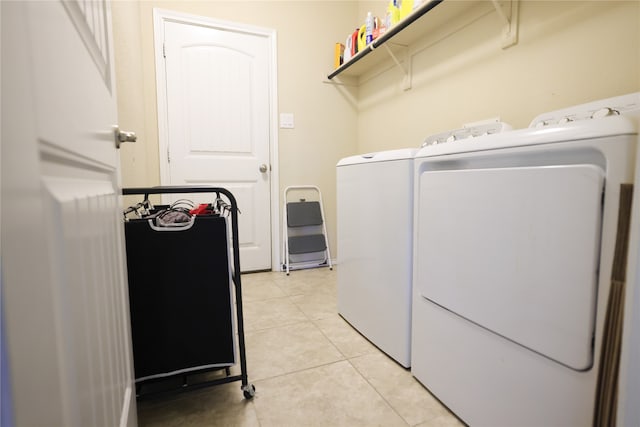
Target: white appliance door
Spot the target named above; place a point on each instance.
(515, 252)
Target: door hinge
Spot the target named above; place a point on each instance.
(168, 156)
(164, 50)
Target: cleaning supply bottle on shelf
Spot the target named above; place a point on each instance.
(393, 14)
(362, 37)
(348, 48)
(369, 28)
(406, 7)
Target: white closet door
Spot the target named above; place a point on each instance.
(218, 122)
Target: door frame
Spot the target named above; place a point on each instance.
(160, 16)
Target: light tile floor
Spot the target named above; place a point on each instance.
(309, 367)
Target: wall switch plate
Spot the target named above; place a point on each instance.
(286, 121)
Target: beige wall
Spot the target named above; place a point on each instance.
(568, 53)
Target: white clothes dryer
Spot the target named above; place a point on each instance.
(513, 251)
(375, 243)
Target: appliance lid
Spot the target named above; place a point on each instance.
(380, 156)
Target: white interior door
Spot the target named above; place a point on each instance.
(218, 127)
(65, 300)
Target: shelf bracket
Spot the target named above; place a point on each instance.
(510, 20)
(406, 69)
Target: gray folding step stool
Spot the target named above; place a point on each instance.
(305, 243)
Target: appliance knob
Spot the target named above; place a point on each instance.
(604, 112)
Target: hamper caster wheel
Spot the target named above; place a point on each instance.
(249, 391)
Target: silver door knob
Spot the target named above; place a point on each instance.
(122, 136)
(263, 168)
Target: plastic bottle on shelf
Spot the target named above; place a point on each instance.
(362, 37)
(393, 14)
(348, 48)
(406, 7)
(369, 28)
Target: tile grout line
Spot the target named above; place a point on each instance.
(379, 394)
(302, 370)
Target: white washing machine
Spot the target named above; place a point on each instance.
(513, 251)
(375, 242)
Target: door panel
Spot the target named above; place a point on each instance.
(83, 233)
(217, 101)
(74, 97)
(218, 123)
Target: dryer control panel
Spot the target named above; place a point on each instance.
(470, 130)
(625, 105)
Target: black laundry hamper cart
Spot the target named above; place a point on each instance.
(180, 295)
